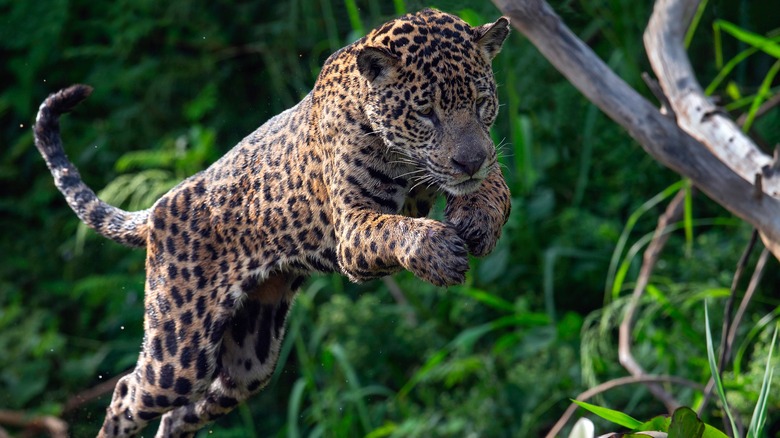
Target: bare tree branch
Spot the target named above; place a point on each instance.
(672, 214)
(55, 427)
(696, 114)
(84, 397)
(658, 135)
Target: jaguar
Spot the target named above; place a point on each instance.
(341, 182)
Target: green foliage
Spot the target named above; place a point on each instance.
(610, 415)
(684, 423)
(715, 371)
(178, 83)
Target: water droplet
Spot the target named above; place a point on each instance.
(121, 327)
(21, 125)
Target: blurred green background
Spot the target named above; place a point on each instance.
(178, 83)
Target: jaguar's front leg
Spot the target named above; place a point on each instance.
(373, 240)
(373, 244)
(479, 216)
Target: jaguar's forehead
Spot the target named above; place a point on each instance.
(439, 49)
(423, 32)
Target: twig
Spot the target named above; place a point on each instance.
(90, 394)
(610, 384)
(765, 107)
(672, 214)
(722, 360)
(758, 273)
(55, 427)
(655, 88)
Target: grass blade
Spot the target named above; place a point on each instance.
(726, 69)
(695, 23)
(294, 408)
(758, 41)
(759, 413)
(354, 17)
(714, 369)
(762, 94)
(688, 218)
(612, 287)
(354, 385)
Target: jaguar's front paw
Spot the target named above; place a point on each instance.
(479, 216)
(478, 226)
(435, 253)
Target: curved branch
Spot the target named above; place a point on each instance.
(658, 135)
(696, 114)
(55, 427)
(672, 214)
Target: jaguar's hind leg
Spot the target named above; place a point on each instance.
(250, 349)
(184, 324)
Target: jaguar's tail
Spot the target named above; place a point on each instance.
(127, 228)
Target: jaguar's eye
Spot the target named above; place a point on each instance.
(481, 100)
(425, 111)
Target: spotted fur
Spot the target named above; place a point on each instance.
(341, 182)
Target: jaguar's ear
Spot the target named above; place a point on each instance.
(490, 37)
(376, 63)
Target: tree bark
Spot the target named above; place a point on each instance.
(696, 114)
(741, 191)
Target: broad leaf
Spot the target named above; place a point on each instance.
(685, 424)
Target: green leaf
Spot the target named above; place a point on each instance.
(613, 416)
(763, 43)
(711, 432)
(486, 298)
(382, 431)
(762, 94)
(660, 424)
(685, 424)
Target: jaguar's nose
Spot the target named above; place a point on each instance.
(469, 162)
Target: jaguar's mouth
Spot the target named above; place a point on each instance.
(464, 187)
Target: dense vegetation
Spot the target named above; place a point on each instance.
(177, 83)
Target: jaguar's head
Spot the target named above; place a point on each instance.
(432, 95)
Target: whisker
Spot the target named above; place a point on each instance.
(423, 180)
(411, 173)
(506, 155)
